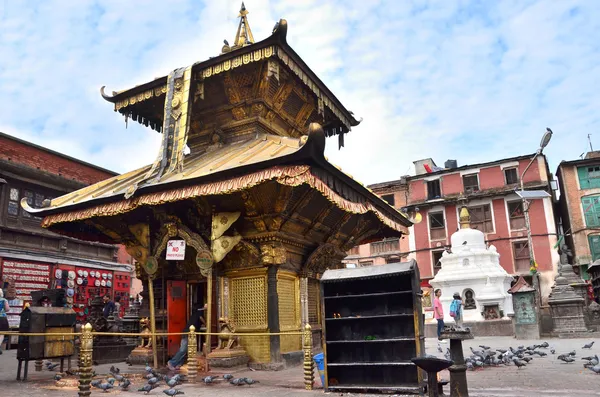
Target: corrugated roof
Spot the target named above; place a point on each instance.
(368, 271)
(262, 148)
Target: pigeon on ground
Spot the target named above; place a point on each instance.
(172, 392)
(540, 353)
(501, 350)
(519, 363)
(527, 359)
(545, 345)
(125, 384)
(51, 366)
(57, 377)
(533, 347)
(439, 349)
(153, 381)
(147, 388)
(227, 376)
(250, 381)
(172, 382)
(588, 358)
(485, 347)
(470, 366)
(237, 382)
(96, 382)
(572, 353)
(114, 370)
(209, 379)
(105, 387)
(568, 359)
(111, 381)
(149, 376)
(118, 377)
(552, 351)
(588, 346)
(595, 368)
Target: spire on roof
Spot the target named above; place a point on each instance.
(244, 34)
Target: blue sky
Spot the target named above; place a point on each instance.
(451, 79)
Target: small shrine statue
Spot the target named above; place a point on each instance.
(565, 253)
(469, 300)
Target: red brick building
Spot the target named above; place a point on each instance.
(579, 203)
(30, 255)
(488, 190)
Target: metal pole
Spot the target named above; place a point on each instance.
(209, 291)
(152, 320)
(192, 360)
(85, 360)
(525, 204)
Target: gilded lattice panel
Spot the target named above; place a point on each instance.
(314, 302)
(257, 347)
(289, 312)
(249, 302)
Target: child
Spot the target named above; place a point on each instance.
(456, 310)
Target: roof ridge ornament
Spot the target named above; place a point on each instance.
(243, 36)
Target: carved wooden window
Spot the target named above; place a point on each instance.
(521, 255)
(481, 218)
(34, 200)
(434, 190)
(471, 183)
(511, 176)
(13, 202)
(437, 226)
(516, 215)
(391, 245)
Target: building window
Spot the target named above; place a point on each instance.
(433, 190)
(354, 251)
(589, 176)
(591, 210)
(471, 183)
(481, 218)
(437, 226)
(392, 245)
(34, 200)
(521, 255)
(511, 176)
(436, 259)
(516, 215)
(366, 263)
(388, 198)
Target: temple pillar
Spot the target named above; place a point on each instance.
(273, 314)
(304, 299)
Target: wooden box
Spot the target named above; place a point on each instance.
(53, 321)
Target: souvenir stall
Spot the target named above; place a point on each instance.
(121, 284)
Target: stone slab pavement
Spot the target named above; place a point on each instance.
(543, 377)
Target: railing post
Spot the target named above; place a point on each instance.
(309, 367)
(85, 360)
(192, 360)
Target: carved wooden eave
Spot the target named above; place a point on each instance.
(152, 94)
(326, 256)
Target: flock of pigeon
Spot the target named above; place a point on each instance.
(522, 356)
(153, 380)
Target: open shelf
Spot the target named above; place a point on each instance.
(370, 317)
(397, 388)
(370, 364)
(389, 340)
(371, 295)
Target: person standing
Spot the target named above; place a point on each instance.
(438, 313)
(4, 308)
(109, 306)
(456, 310)
(117, 312)
(197, 320)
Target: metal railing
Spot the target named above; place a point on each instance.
(86, 349)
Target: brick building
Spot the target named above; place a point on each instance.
(488, 190)
(32, 257)
(579, 205)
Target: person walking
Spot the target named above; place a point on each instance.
(197, 320)
(456, 310)
(109, 306)
(438, 313)
(4, 308)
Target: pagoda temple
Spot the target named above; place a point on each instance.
(240, 178)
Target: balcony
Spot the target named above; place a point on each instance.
(385, 247)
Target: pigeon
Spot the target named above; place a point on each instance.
(552, 351)
(588, 346)
(57, 377)
(149, 376)
(226, 42)
(588, 358)
(172, 382)
(209, 379)
(105, 387)
(227, 376)
(545, 345)
(501, 350)
(476, 352)
(250, 381)
(125, 384)
(572, 353)
(595, 368)
(51, 366)
(96, 382)
(147, 388)
(484, 347)
(464, 243)
(527, 359)
(568, 359)
(237, 382)
(153, 381)
(519, 363)
(533, 347)
(118, 377)
(172, 392)
(111, 381)
(440, 349)
(470, 365)
(540, 353)
(114, 370)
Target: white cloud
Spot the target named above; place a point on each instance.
(474, 81)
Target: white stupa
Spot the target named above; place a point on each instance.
(474, 270)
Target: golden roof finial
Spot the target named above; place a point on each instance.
(244, 34)
(465, 218)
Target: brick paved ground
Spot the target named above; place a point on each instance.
(544, 377)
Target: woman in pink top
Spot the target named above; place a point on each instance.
(438, 313)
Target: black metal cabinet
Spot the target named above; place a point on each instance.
(372, 328)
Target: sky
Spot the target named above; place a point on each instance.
(473, 80)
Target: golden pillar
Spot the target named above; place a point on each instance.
(209, 300)
(152, 320)
(192, 362)
(85, 360)
(309, 368)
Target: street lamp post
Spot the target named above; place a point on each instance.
(526, 203)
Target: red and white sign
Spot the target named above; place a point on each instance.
(176, 250)
(28, 277)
